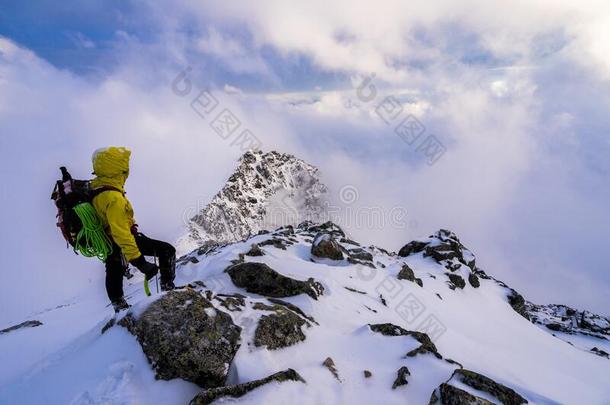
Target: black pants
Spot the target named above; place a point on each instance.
(116, 264)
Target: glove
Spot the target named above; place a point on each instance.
(134, 229)
(150, 270)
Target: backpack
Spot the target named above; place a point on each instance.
(77, 219)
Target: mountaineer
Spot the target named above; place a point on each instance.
(111, 168)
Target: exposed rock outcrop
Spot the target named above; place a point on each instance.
(329, 363)
(406, 273)
(261, 279)
(401, 377)
(325, 246)
(239, 390)
(26, 324)
(456, 280)
(426, 345)
(517, 302)
(184, 336)
(505, 395)
(447, 394)
(280, 329)
(241, 208)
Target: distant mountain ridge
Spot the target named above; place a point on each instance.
(266, 190)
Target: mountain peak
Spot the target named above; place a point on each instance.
(266, 190)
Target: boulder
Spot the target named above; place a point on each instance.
(279, 330)
(474, 280)
(330, 365)
(275, 242)
(412, 247)
(444, 246)
(406, 273)
(325, 246)
(261, 279)
(505, 395)
(426, 345)
(184, 336)
(517, 302)
(327, 227)
(360, 254)
(456, 280)
(255, 250)
(239, 390)
(401, 377)
(447, 394)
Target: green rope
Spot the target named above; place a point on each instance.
(91, 240)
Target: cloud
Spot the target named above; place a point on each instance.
(517, 94)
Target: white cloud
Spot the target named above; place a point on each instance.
(383, 37)
(505, 86)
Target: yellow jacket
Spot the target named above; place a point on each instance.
(111, 168)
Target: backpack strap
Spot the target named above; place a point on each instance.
(100, 190)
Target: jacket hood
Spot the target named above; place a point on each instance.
(111, 167)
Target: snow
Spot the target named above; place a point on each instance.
(69, 361)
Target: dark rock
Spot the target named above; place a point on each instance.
(442, 252)
(367, 374)
(445, 248)
(505, 395)
(456, 280)
(255, 250)
(600, 352)
(261, 279)
(324, 246)
(457, 363)
(370, 309)
(259, 306)
(517, 302)
(401, 377)
(447, 394)
(360, 254)
(184, 336)
(412, 247)
(453, 266)
(364, 263)
(349, 242)
(474, 280)
(354, 290)
(327, 227)
(406, 273)
(239, 390)
(285, 230)
(275, 242)
(330, 365)
(426, 345)
(231, 302)
(389, 329)
(278, 330)
(26, 324)
(555, 326)
(293, 308)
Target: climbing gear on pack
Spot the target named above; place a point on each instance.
(77, 219)
(91, 240)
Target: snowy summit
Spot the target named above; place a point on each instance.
(304, 312)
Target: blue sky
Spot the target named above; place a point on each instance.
(518, 94)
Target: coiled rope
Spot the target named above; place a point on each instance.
(91, 240)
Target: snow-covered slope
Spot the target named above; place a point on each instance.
(432, 285)
(265, 191)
